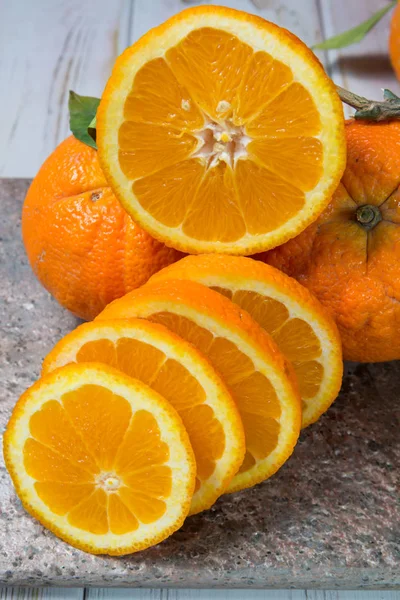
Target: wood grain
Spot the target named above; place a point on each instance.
(46, 48)
(16, 593)
(23, 593)
(169, 594)
(165, 594)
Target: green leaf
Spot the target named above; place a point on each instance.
(82, 115)
(356, 34)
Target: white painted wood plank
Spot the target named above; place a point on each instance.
(226, 594)
(363, 68)
(169, 594)
(352, 595)
(24, 593)
(302, 18)
(46, 48)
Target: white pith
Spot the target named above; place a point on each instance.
(222, 141)
(109, 482)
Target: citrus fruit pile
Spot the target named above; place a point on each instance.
(221, 135)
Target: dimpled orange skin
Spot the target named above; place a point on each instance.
(355, 272)
(394, 40)
(81, 244)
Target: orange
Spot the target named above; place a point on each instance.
(350, 257)
(220, 132)
(298, 323)
(81, 244)
(258, 376)
(100, 459)
(394, 40)
(177, 371)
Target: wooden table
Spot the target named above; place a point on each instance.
(50, 46)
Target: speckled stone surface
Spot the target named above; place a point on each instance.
(330, 518)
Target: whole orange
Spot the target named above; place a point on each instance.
(394, 40)
(350, 257)
(81, 244)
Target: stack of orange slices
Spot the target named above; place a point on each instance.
(198, 383)
(174, 395)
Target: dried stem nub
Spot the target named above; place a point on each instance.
(371, 110)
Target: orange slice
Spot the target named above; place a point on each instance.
(220, 132)
(176, 370)
(299, 324)
(100, 459)
(256, 373)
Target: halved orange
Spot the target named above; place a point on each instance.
(299, 324)
(176, 370)
(220, 132)
(100, 459)
(258, 376)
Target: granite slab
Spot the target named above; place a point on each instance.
(329, 519)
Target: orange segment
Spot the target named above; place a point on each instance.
(155, 481)
(43, 464)
(216, 202)
(147, 509)
(246, 358)
(211, 429)
(138, 448)
(120, 518)
(93, 352)
(298, 341)
(310, 375)
(62, 497)
(264, 434)
(179, 191)
(271, 314)
(145, 149)
(292, 113)
(193, 105)
(173, 368)
(135, 358)
(298, 323)
(296, 160)
(263, 79)
(101, 417)
(91, 514)
(183, 389)
(139, 489)
(228, 359)
(210, 63)
(157, 97)
(266, 200)
(65, 440)
(257, 396)
(199, 336)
